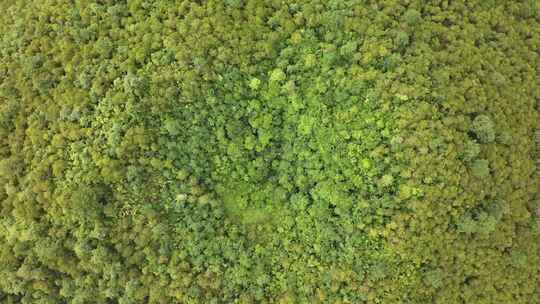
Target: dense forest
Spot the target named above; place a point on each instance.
(277, 151)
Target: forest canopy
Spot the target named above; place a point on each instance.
(248, 151)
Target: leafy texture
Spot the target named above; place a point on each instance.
(248, 151)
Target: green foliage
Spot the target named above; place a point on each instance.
(412, 16)
(480, 168)
(483, 223)
(483, 128)
(434, 278)
(248, 151)
(471, 151)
